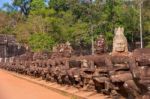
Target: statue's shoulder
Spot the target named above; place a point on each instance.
(130, 54)
(108, 56)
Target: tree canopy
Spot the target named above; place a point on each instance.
(43, 23)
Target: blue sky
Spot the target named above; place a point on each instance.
(4, 1)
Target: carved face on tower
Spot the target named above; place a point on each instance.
(120, 42)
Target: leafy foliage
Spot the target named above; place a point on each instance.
(73, 20)
(41, 42)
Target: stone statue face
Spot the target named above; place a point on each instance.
(120, 45)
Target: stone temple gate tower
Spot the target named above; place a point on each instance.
(9, 47)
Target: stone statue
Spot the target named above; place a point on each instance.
(62, 50)
(119, 64)
(68, 47)
(120, 45)
(141, 70)
(100, 46)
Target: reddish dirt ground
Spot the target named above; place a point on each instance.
(15, 88)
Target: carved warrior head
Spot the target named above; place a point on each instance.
(120, 44)
(68, 43)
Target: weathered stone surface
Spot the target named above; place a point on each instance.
(108, 73)
(100, 45)
(9, 46)
(120, 45)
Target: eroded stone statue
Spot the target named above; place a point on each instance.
(120, 74)
(141, 70)
(120, 45)
(100, 45)
(62, 50)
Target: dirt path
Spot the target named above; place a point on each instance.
(15, 88)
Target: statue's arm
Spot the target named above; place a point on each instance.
(133, 67)
(109, 64)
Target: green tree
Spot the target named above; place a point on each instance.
(41, 42)
(146, 22)
(59, 5)
(37, 6)
(24, 6)
(72, 20)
